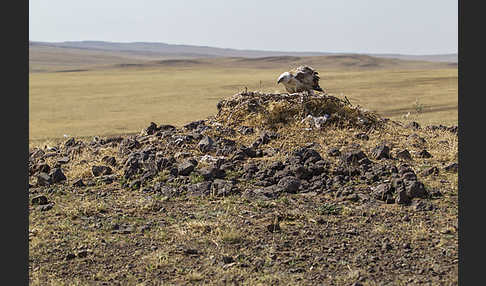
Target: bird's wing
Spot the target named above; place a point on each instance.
(308, 77)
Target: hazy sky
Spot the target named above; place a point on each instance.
(373, 26)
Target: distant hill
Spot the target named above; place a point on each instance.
(65, 56)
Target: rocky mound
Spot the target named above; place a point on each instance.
(230, 153)
(277, 110)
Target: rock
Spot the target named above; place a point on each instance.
(245, 130)
(57, 175)
(381, 152)
(402, 197)
(384, 192)
(44, 208)
(206, 144)
(110, 160)
(185, 168)
(334, 152)
(212, 173)
(199, 189)
(352, 157)
(454, 167)
(273, 227)
(40, 200)
(415, 189)
(63, 160)
(195, 125)
(413, 125)
(307, 155)
(404, 155)
(300, 172)
(410, 176)
(221, 187)
(82, 254)
(386, 246)
(424, 154)
(79, 183)
(191, 251)
(228, 259)
(40, 168)
(362, 136)
(43, 179)
(289, 184)
(151, 129)
(430, 171)
(70, 142)
(101, 170)
(70, 256)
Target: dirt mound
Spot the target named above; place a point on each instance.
(279, 110)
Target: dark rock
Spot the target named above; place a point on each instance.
(273, 227)
(430, 171)
(43, 179)
(307, 155)
(415, 189)
(44, 208)
(191, 251)
(221, 187)
(206, 144)
(384, 192)
(101, 170)
(381, 152)
(70, 142)
(334, 152)
(70, 256)
(228, 259)
(454, 167)
(82, 254)
(386, 246)
(42, 168)
(413, 125)
(167, 127)
(151, 129)
(199, 189)
(57, 175)
(410, 176)
(245, 130)
(402, 197)
(110, 160)
(185, 168)
(424, 154)
(352, 157)
(300, 172)
(362, 136)
(404, 155)
(40, 200)
(269, 152)
(210, 173)
(63, 160)
(79, 183)
(194, 125)
(289, 184)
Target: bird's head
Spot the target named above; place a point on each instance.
(284, 77)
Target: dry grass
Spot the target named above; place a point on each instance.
(120, 101)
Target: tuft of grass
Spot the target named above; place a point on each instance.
(329, 209)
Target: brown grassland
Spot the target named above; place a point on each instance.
(117, 100)
(114, 232)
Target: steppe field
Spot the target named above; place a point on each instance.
(119, 98)
(264, 192)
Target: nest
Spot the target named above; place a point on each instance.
(279, 110)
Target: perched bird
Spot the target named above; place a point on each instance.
(303, 78)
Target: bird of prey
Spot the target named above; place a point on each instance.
(303, 78)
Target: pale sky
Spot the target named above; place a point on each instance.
(356, 26)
